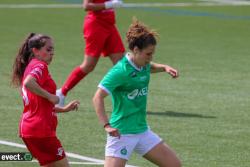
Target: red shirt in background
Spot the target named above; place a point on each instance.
(106, 16)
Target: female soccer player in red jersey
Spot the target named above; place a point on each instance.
(38, 123)
(101, 38)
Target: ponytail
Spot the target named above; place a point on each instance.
(25, 54)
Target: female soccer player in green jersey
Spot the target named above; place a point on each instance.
(127, 83)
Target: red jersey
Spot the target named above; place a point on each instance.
(106, 15)
(39, 118)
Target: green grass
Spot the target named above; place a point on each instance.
(28, 2)
(203, 115)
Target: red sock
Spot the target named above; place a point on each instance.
(76, 76)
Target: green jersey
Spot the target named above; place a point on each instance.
(128, 86)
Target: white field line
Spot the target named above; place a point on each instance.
(232, 2)
(71, 155)
(12, 144)
(71, 162)
(132, 5)
(93, 161)
(30, 6)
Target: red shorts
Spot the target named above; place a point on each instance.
(45, 150)
(101, 38)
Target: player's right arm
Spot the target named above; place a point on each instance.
(98, 101)
(88, 5)
(31, 84)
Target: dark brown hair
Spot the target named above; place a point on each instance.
(139, 35)
(25, 54)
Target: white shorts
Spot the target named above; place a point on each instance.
(124, 146)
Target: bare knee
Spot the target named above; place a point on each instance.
(115, 57)
(87, 67)
(177, 163)
(89, 63)
(60, 163)
(172, 162)
(114, 162)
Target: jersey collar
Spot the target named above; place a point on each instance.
(132, 63)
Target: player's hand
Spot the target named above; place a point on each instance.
(173, 72)
(73, 105)
(113, 4)
(112, 131)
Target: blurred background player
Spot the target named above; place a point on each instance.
(101, 38)
(127, 82)
(38, 123)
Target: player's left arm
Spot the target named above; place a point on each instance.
(155, 67)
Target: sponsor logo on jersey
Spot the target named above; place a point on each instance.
(143, 78)
(133, 74)
(138, 93)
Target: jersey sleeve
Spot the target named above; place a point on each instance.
(40, 72)
(112, 80)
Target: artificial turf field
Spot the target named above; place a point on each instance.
(203, 115)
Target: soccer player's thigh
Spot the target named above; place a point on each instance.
(162, 155)
(114, 162)
(61, 163)
(114, 47)
(95, 38)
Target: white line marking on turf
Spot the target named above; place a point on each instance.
(12, 144)
(71, 162)
(93, 161)
(85, 163)
(71, 155)
(28, 6)
(131, 5)
(232, 2)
